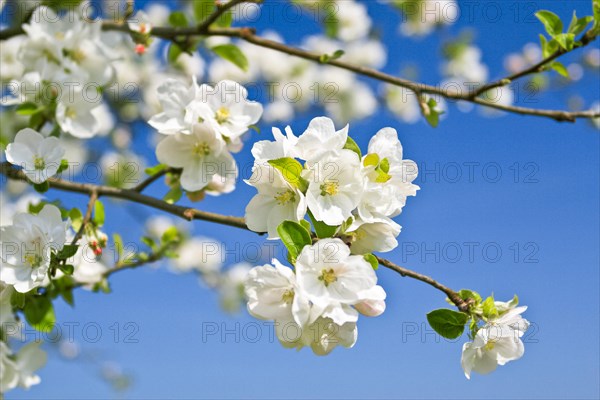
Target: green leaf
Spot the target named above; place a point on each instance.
(28, 108)
(560, 68)
(148, 241)
(68, 251)
(76, 218)
(66, 268)
(291, 171)
(119, 248)
(155, 169)
(565, 40)
(203, 8)
(255, 128)
(39, 313)
(321, 228)
(337, 54)
(225, 20)
(98, 213)
(232, 53)
(41, 187)
(173, 195)
(18, 299)
(371, 259)
(432, 115)
(170, 235)
(448, 323)
(178, 19)
(578, 25)
(466, 294)
(306, 225)
(351, 145)
(551, 21)
(173, 53)
(294, 236)
(489, 308)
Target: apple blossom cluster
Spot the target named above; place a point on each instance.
(341, 190)
(64, 66)
(317, 304)
(345, 194)
(203, 125)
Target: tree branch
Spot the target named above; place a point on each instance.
(248, 34)
(87, 218)
(190, 214)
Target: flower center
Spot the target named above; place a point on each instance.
(77, 55)
(285, 197)
(288, 296)
(70, 113)
(39, 163)
(328, 276)
(222, 115)
(329, 188)
(490, 345)
(201, 149)
(34, 260)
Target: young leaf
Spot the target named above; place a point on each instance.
(178, 19)
(203, 8)
(489, 308)
(68, 251)
(294, 236)
(290, 171)
(448, 323)
(232, 53)
(76, 218)
(155, 169)
(173, 195)
(321, 228)
(28, 108)
(170, 235)
(172, 55)
(578, 25)
(119, 248)
(466, 294)
(98, 213)
(560, 68)
(66, 268)
(433, 115)
(351, 145)
(39, 313)
(371, 259)
(551, 21)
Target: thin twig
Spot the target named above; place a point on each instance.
(151, 179)
(87, 218)
(190, 214)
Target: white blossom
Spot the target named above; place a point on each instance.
(496, 343)
(40, 157)
(199, 254)
(335, 186)
(377, 236)
(19, 369)
(27, 245)
(202, 154)
(276, 201)
(174, 97)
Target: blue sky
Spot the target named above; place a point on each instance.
(534, 231)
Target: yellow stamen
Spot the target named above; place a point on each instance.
(285, 197)
(222, 115)
(288, 296)
(328, 276)
(201, 149)
(329, 188)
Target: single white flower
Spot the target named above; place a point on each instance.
(273, 294)
(373, 304)
(330, 276)
(19, 370)
(231, 286)
(89, 268)
(200, 254)
(496, 343)
(388, 177)
(282, 146)
(75, 114)
(322, 336)
(377, 236)
(26, 247)
(140, 23)
(227, 109)
(202, 154)
(353, 22)
(276, 201)
(335, 187)
(174, 96)
(320, 138)
(40, 157)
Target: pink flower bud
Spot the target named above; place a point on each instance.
(140, 49)
(371, 308)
